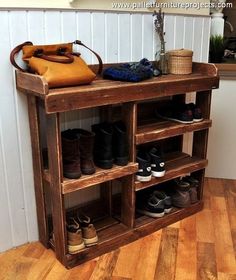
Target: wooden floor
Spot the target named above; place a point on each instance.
(200, 247)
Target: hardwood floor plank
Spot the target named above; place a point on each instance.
(216, 187)
(84, 271)
(128, 259)
(204, 226)
(146, 265)
(166, 261)
(105, 266)
(40, 269)
(206, 261)
(34, 250)
(186, 264)
(225, 257)
(206, 193)
(230, 198)
(224, 276)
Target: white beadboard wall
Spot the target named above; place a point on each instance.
(116, 37)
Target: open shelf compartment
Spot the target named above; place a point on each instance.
(160, 129)
(177, 164)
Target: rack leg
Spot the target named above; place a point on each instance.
(55, 170)
(37, 167)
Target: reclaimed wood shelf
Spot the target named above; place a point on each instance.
(175, 168)
(45, 105)
(100, 176)
(164, 129)
(106, 92)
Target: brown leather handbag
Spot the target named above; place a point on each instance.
(58, 64)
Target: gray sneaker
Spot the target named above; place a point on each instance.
(180, 196)
(193, 191)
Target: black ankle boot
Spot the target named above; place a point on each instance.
(103, 145)
(120, 144)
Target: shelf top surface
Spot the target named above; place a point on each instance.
(104, 92)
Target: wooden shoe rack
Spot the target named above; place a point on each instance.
(133, 103)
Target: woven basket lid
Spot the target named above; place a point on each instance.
(181, 52)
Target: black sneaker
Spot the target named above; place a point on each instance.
(176, 112)
(157, 163)
(196, 111)
(152, 207)
(166, 198)
(144, 173)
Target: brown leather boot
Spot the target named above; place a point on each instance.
(70, 155)
(86, 145)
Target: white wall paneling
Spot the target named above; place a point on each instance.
(117, 37)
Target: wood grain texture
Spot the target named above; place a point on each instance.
(100, 176)
(186, 263)
(37, 166)
(154, 131)
(225, 256)
(145, 258)
(166, 262)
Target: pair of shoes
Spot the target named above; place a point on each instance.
(80, 233)
(155, 205)
(77, 152)
(111, 144)
(182, 113)
(149, 164)
(185, 192)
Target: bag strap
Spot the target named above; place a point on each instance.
(78, 42)
(69, 57)
(16, 50)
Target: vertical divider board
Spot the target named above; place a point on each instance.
(200, 138)
(129, 116)
(37, 167)
(57, 199)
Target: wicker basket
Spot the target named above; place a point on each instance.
(180, 61)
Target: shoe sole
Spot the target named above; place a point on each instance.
(150, 214)
(88, 171)
(198, 120)
(158, 173)
(74, 249)
(90, 241)
(175, 120)
(167, 210)
(143, 178)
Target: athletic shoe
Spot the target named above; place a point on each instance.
(157, 163)
(151, 206)
(176, 112)
(75, 242)
(193, 191)
(196, 111)
(144, 173)
(166, 198)
(180, 194)
(89, 233)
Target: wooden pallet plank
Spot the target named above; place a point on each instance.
(166, 129)
(100, 176)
